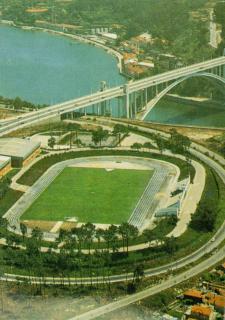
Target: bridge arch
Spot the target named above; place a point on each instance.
(155, 100)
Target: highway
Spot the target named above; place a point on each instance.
(98, 97)
(170, 282)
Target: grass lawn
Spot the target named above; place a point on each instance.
(91, 195)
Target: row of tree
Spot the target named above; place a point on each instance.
(101, 245)
(98, 136)
(177, 143)
(19, 104)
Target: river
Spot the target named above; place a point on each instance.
(44, 68)
(170, 112)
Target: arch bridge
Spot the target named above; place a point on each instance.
(134, 99)
(159, 95)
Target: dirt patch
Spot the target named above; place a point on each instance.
(197, 134)
(6, 114)
(112, 165)
(68, 225)
(43, 225)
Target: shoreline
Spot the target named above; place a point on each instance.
(80, 38)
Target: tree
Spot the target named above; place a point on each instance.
(222, 148)
(4, 186)
(51, 142)
(138, 273)
(37, 234)
(170, 245)
(78, 142)
(89, 234)
(161, 142)
(73, 127)
(178, 142)
(99, 135)
(149, 236)
(18, 103)
(23, 229)
(128, 232)
(99, 235)
(3, 222)
(110, 236)
(148, 145)
(136, 146)
(204, 218)
(120, 130)
(80, 235)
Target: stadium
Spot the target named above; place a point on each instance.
(102, 190)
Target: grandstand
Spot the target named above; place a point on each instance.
(147, 204)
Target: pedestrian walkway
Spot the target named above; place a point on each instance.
(56, 227)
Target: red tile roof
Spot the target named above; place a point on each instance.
(201, 310)
(194, 293)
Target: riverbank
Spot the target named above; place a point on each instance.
(80, 38)
(109, 50)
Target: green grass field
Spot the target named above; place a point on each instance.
(91, 195)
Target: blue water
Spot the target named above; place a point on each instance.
(44, 68)
(196, 115)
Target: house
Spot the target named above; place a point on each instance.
(218, 301)
(21, 151)
(201, 312)
(194, 295)
(5, 165)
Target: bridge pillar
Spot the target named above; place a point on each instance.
(135, 104)
(127, 100)
(98, 109)
(146, 97)
(142, 99)
(221, 71)
(118, 107)
(103, 107)
(109, 108)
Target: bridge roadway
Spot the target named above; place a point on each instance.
(98, 97)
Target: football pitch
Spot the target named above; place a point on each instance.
(90, 195)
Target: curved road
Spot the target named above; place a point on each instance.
(208, 247)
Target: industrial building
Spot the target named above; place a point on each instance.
(5, 165)
(21, 151)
